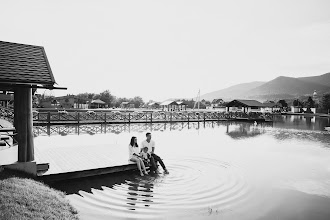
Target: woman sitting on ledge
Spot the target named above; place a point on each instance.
(134, 152)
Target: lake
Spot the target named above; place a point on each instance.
(218, 170)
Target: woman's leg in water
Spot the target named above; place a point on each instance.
(143, 166)
(137, 161)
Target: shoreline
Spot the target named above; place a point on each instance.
(323, 115)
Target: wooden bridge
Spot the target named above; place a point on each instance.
(92, 129)
(109, 117)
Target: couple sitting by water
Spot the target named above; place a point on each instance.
(145, 156)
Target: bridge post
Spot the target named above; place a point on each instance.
(48, 117)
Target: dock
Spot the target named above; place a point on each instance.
(69, 162)
(62, 163)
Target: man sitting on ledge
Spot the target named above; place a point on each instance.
(150, 144)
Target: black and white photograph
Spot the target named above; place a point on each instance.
(177, 109)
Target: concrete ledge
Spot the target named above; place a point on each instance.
(28, 167)
(42, 167)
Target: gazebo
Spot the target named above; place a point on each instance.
(24, 68)
(244, 105)
(97, 104)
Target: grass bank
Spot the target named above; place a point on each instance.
(21, 197)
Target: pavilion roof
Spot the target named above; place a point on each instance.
(246, 103)
(181, 103)
(169, 102)
(22, 64)
(98, 101)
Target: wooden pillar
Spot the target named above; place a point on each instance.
(24, 124)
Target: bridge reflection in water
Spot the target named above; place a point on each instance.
(234, 129)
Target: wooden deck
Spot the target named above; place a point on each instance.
(71, 162)
(75, 162)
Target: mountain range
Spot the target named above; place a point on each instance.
(282, 87)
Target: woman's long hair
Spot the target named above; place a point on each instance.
(133, 144)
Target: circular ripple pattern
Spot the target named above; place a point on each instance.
(194, 186)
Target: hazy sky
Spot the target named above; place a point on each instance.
(165, 49)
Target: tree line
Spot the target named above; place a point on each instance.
(322, 106)
(109, 99)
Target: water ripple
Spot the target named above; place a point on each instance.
(194, 187)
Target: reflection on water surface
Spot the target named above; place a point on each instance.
(219, 170)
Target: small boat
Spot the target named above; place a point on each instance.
(327, 128)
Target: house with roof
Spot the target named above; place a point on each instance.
(271, 106)
(126, 105)
(24, 68)
(182, 106)
(216, 103)
(246, 106)
(67, 102)
(97, 103)
(169, 105)
(152, 105)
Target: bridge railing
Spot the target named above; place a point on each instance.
(136, 117)
(7, 114)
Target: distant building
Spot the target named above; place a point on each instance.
(97, 104)
(246, 106)
(169, 105)
(217, 103)
(153, 105)
(182, 106)
(126, 105)
(67, 102)
(270, 106)
(315, 97)
(6, 99)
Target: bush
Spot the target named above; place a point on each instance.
(22, 197)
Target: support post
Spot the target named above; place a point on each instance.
(24, 124)
(151, 117)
